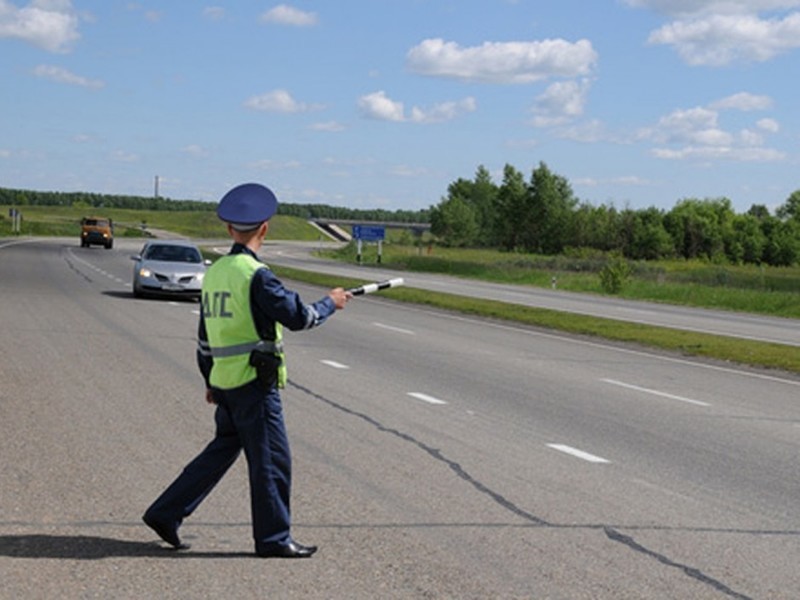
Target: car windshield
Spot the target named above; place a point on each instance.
(96, 222)
(183, 254)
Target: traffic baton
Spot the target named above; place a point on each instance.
(376, 287)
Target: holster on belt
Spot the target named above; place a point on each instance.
(266, 365)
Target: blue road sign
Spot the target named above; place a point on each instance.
(369, 233)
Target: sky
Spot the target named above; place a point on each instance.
(384, 103)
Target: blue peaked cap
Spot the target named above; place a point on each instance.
(248, 204)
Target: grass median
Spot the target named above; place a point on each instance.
(735, 350)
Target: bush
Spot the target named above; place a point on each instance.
(615, 275)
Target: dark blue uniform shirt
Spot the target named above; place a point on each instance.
(270, 303)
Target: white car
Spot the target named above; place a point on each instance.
(169, 268)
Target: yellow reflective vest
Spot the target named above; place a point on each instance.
(230, 327)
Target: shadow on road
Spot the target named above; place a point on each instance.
(152, 297)
(82, 547)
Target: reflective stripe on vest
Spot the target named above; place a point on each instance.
(231, 331)
(260, 345)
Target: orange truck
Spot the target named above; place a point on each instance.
(97, 230)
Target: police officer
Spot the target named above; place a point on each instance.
(240, 354)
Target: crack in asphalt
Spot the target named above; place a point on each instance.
(612, 533)
(68, 259)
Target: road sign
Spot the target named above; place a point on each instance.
(369, 233)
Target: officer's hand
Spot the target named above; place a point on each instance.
(210, 397)
(340, 296)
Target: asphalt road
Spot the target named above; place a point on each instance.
(741, 325)
(436, 456)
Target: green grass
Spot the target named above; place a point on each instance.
(65, 221)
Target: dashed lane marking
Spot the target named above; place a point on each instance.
(395, 329)
(334, 364)
(578, 453)
(655, 392)
(426, 398)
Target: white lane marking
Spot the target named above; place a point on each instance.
(578, 453)
(334, 364)
(395, 329)
(426, 398)
(97, 269)
(195, 311)
(562, 338)
(655, 392)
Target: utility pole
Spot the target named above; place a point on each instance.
(156, 187)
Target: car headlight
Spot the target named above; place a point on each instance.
(200, 276)
(145, 272)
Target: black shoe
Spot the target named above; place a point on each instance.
(290, 550)
(165, 532)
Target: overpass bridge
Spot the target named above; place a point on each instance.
(339, 229)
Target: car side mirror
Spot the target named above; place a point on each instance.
(136, 257)
(207, 262)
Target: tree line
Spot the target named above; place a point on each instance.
(540, 215)
(543, 216)
(324, 211)
(21, 198)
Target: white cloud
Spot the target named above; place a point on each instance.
(751, 154)
(684, 126)
(718, 40)
(769, 125)
(560, 103)
(379, 106)
(751, 138)
(279, 101)
(445, 111)
(283, 14)
(502, 62)
(61, 75)
(743, 101)
(696, 134)
(631, 180)
(589, 132)
(49, 24)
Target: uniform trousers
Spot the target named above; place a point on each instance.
(247, 418)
